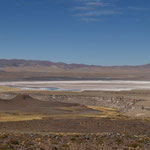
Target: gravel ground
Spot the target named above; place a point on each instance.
(51, 141)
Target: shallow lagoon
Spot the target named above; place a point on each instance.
(102, 85)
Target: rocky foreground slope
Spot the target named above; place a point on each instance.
(104, 141)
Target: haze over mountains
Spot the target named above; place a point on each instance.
(18, 69)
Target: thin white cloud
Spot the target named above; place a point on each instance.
(96, 9)
(90, 19)
(91, 10)
(84, 9)
(98, 13)
(137, 8)
(95, 3)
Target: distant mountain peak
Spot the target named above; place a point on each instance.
(20, 69)
(22, 62)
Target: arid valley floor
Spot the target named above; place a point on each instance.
(67, 120)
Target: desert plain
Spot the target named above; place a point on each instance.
(55, 115)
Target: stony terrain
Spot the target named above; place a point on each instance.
(95, 120)
(131, 103)
(52, 141)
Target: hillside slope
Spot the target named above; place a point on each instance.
(16, 69)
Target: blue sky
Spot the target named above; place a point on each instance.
(101, 32)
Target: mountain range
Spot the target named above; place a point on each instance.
(19, 69)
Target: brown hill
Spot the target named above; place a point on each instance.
(45, 70)
(27, 104)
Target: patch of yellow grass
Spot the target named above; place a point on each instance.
(71, 109)
(101, 108)
(107, 112)
(8, 89)
(103, 112)
(74, 133)
(5, 117)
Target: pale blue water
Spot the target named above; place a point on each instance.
(43, 88)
